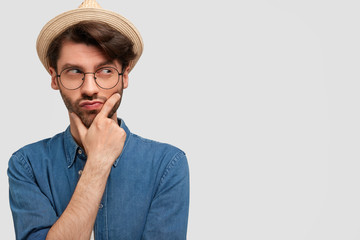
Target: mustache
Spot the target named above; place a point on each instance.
(90, 98)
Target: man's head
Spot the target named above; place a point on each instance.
(91, 44)
(87, 47)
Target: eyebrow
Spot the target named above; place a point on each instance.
(107, 62)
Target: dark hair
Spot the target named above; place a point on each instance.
(111, 42)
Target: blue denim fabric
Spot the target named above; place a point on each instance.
(146, 196)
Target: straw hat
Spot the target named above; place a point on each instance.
(88, 10)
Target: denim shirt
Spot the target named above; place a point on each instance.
(146, 195)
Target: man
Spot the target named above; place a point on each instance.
(96, 179)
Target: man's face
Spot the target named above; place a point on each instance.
(87, 100)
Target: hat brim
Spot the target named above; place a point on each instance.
(61, 22)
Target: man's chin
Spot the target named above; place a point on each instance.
(87, 122)
(88, 118)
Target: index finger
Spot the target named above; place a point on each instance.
(109, 105)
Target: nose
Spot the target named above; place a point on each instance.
(89, 87)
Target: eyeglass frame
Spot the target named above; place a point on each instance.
(83, 79)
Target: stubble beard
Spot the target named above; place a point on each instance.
(87, 117)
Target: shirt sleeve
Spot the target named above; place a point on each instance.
(32, 211)
(168, 214)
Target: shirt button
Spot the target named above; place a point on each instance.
(80, 172)
(101, 206)
(79, 151)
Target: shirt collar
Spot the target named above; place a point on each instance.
(71, 146)
(127, 139)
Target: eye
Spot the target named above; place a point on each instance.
(72, 71)
(105, 71)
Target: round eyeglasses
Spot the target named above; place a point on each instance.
(106, 77)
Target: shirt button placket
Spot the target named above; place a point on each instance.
(101, 219)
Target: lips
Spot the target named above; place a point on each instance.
(91, 105)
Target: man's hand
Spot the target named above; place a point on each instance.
(104, 140)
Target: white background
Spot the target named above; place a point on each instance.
(263, 96)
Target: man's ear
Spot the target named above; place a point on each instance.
(126, 77)
(54, 81)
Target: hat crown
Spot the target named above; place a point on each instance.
(89, 4)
